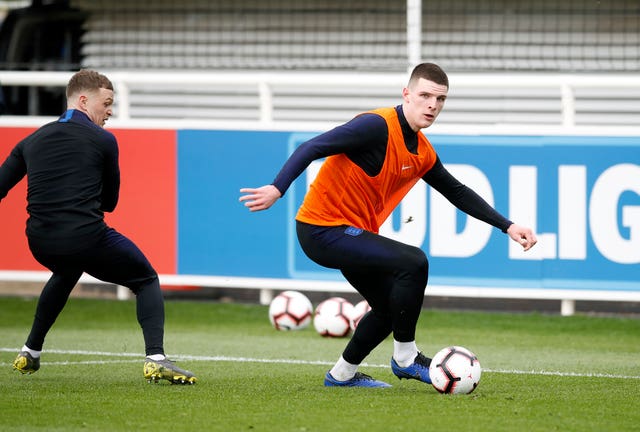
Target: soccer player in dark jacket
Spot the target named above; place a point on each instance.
(73, 177)
(372, 163)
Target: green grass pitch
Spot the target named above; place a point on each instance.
(540, 373)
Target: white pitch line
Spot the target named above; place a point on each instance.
(85, 362)
(139, 356)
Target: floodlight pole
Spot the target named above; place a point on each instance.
(414, 33)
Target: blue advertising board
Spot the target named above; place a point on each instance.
(581, 194)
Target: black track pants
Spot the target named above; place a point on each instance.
(390, 275)
(115, 259)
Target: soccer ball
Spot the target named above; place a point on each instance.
(455, 370)
(359, 310)
(290, 310)
(333, 317)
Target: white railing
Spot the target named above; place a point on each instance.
(264, 82)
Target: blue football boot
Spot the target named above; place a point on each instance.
(418, 370)
(359, 380)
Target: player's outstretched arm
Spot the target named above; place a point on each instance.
(261, 198)
(522, 235)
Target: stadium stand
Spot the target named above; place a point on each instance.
(361, 36)
(462, 35)
(358, 36)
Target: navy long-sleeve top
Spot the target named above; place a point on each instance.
(73, 177)
(364, 140)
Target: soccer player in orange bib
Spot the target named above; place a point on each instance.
(372, 162)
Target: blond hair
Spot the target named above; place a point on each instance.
(87, 80)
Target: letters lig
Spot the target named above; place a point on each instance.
(614, 227)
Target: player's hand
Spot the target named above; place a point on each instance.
(261, 198)
(523, 235)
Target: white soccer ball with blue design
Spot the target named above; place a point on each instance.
(290, 310)
(455, 370)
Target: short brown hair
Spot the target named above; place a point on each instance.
(431, 72)
(87, 79)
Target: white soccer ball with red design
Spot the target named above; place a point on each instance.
(359, 310)
(455, 370)
(333, 317)
(290, 310)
